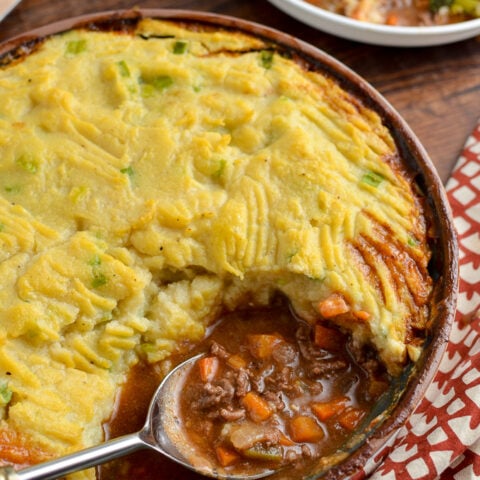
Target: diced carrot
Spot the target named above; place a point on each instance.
(284, 440)
(361, 315)
(350, 418)
(327, 338)
(237, 362)
(305, 429)
(258, 409)
(332, 306)
(325, 410)
(261, 346)
(208, 367)
(391, 19)
(16, 449)
(226, 456)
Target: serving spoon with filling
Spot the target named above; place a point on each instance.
(160, 433)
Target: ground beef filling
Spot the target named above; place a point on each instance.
(278, 392)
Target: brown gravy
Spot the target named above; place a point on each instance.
(131, 409)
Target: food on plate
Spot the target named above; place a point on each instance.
(404, 12)
(155, 175)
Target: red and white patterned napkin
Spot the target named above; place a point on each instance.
(442, 438)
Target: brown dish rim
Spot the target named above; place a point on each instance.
(411, 151)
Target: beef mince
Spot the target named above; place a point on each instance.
(271, 393)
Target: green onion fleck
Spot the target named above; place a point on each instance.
(221, 168)
(2, 227)
(95, 261)
(373, 179)
(74, 47)
(179, 47)
(99, 279)
(266, 57)
(155, 84)
(127, 171)
(162, 82)
(28, 163)
(123, 68)
(13, 189)
(5, 394)
(412, 242)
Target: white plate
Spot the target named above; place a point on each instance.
(377, 34)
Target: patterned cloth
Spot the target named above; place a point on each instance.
(442, 438)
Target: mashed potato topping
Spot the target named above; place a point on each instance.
(149, 180)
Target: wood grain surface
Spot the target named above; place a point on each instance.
(435, 89)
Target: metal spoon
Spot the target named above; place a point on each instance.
(160, 433)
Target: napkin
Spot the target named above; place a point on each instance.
(442, 438)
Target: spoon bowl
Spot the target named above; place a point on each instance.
(161, 432)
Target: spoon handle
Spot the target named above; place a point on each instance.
(81, 460)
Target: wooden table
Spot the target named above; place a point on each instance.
(436, 89)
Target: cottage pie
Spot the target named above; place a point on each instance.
(153, 178)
